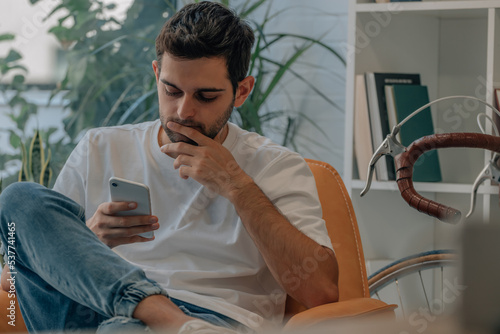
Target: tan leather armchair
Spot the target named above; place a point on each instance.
(354, 296)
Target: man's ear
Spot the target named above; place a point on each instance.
(244, 89)
(156, 69)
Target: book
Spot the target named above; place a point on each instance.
(379, 120)
(363, 149)
(391, 109)
(407, 99)
(496, 117)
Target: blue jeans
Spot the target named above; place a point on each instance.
(65, 277)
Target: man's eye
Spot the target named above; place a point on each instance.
(206, 99)
(176, 93)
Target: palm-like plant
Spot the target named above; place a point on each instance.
(109, 80)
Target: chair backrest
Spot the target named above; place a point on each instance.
(342, 226)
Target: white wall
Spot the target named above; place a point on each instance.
(316, 18)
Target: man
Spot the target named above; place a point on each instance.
(235, 216)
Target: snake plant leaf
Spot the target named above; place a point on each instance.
(36, 157)
(46, 172)
(23, 171)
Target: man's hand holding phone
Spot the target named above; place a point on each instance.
(127, 218)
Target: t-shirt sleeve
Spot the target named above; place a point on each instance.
(289, 184)
(71, 181)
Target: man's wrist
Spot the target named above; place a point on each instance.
(241, 187)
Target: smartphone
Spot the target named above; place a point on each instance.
(122, 190)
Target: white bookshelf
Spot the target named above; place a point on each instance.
(455, 46)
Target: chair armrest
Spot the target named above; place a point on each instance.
(356, 307)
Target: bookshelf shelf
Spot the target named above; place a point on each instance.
(427, 6)
(455, 47)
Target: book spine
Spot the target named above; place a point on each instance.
(363, 149)
(376, 125)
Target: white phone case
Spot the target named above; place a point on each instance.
(122, 190)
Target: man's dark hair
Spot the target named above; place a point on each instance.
(208, 29)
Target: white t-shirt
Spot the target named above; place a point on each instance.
(202, 253)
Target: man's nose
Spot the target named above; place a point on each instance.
(187, 108)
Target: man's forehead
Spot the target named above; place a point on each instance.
(201, 73)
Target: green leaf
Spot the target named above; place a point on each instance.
(252, 8)
(18, 83)
(315, 41)
(310, 85)
(46, 171)
(108, 44)
(7, 37)
(63, 34)
(13, 56)
(26, 111)
(14, 101)
(6, 68)
(281, 71)
(49, 133)
(23, 172)
(36, 157)
(57, 8)
(134, 105)
(76, 72)
(118, 102)
(14, 140)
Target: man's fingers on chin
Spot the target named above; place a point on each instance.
(187, 131)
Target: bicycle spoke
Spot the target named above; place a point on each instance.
(425, 291)
(420, 263)
(442, 289)
(400, 299)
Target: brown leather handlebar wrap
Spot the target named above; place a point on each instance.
(406, 160)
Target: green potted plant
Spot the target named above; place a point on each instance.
(109, 80)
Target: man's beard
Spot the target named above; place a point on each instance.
(209, 131)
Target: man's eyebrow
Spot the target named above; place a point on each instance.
(199, 90)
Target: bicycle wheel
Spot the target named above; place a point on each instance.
(426, 283)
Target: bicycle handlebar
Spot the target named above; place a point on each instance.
(405, 161)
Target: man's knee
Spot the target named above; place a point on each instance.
(19, 200)
(19, 195)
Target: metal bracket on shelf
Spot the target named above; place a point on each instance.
(390, 146)
(490, 172)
